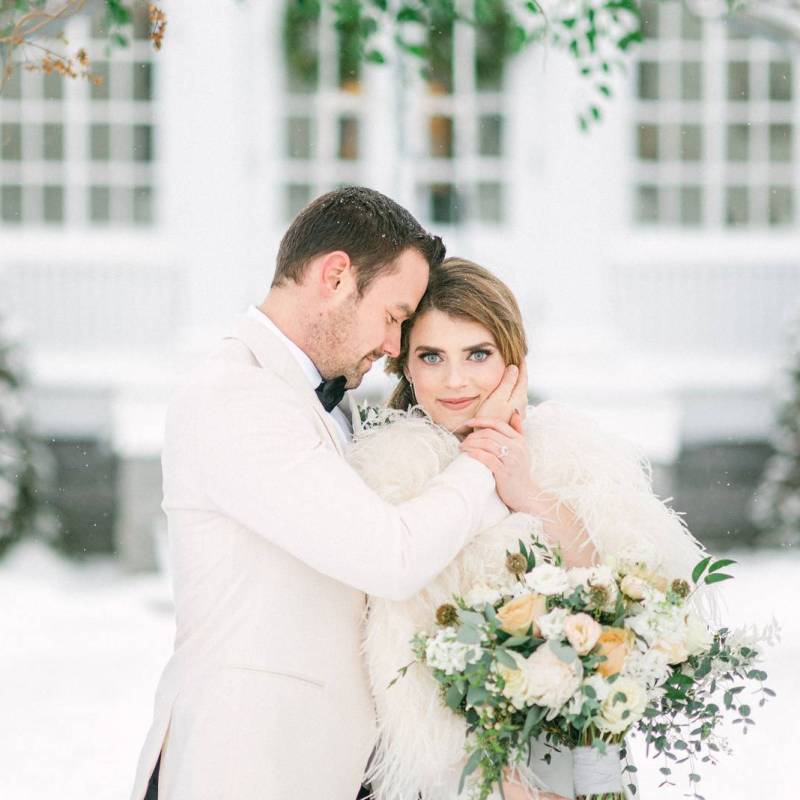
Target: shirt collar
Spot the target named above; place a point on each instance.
(306, 364)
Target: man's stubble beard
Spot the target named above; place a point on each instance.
(330, 341)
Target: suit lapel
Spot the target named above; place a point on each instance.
(271, 353)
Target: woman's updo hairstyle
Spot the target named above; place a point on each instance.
(463, 289)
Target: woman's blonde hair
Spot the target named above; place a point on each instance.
(463, 289)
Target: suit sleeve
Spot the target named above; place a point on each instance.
(267, 468)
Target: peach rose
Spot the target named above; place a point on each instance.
(614, 644)
(582, 632)
(518, 615)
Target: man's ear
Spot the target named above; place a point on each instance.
(335, 273)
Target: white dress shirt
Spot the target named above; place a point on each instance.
(307, 365)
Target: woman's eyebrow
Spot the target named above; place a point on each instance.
(478, 346)
(427, 349)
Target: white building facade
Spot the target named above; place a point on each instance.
(656, 258)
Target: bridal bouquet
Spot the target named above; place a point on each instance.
(579, 658)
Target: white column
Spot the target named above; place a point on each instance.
(207, 158)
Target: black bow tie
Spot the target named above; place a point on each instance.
(331, 392)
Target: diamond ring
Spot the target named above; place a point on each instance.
(503, 452)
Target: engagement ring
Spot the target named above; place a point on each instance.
(503, 452)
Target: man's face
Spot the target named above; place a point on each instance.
(359, 331)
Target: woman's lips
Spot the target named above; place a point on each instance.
(456, 404)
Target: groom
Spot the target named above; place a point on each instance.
(275, 540)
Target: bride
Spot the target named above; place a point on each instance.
(582, 491)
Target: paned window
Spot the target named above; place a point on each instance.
(77, 153)
(715, 134)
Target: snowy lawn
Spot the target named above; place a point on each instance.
(83, 647)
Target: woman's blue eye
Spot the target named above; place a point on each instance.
(480, 355)
(431, 358)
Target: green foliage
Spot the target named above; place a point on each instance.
(23, 463)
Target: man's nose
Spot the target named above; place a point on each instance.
(391, 345)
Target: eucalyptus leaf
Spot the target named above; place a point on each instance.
(469, 768)
(563, 651)
(453, 698)
(505, 658)
(471, 617)
(468, 634)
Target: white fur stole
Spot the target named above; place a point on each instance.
(604, 480)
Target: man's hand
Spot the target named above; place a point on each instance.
(510, 395)
(504, 450)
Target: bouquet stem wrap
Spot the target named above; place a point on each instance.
(597, 775)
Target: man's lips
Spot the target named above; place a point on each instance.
(457, 403)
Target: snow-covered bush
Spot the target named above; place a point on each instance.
(23, 462)
(776, 504)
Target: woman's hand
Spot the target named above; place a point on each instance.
(514, 790)
(510, 396)
(503, 449)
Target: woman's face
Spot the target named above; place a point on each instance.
(454, 365)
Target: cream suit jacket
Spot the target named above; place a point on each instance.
(274, 541)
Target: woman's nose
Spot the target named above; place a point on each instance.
(454, 376)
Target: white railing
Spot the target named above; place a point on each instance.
(725, 309)
(69, 307)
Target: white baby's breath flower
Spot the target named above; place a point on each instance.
(551, 625)
(547, 579)
(649, 668)
(443, 651)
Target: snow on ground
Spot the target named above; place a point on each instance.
(83, 646)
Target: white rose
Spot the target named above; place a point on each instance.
(550, 680)
(601, 689)
(675, 652)
(579, 576)
(617, 715)
(551, 625)
(698, 635)
(600, 685)
(633, 587)
(547, 579)
(515, 688)
(480, 594)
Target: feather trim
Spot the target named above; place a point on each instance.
(603, 479)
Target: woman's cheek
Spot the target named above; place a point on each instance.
(491, 376)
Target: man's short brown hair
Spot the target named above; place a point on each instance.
(370, 227)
